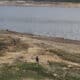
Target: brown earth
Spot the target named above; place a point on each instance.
(30, 46)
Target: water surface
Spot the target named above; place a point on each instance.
(51, 21)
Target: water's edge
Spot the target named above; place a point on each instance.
(42, 37)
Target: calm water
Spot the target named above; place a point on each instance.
(60, 22)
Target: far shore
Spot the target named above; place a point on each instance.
(40, 4)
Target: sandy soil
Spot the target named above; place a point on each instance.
(37, 47)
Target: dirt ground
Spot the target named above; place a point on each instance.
(36, 47)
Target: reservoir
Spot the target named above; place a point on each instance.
(50, 21)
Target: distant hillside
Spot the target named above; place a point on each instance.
(76, 1)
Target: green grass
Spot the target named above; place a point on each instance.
(64, 74)
(21, 70)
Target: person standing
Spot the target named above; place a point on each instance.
(37, 59)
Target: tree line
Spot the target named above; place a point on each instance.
(58, 0)
(76, 1)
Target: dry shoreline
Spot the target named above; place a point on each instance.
(46, 38)
(40, 4)
(55, 39)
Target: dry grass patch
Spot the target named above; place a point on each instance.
(74, 57)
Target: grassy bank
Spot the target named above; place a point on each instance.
(57, 61)
(33, 71)
(22, 70)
